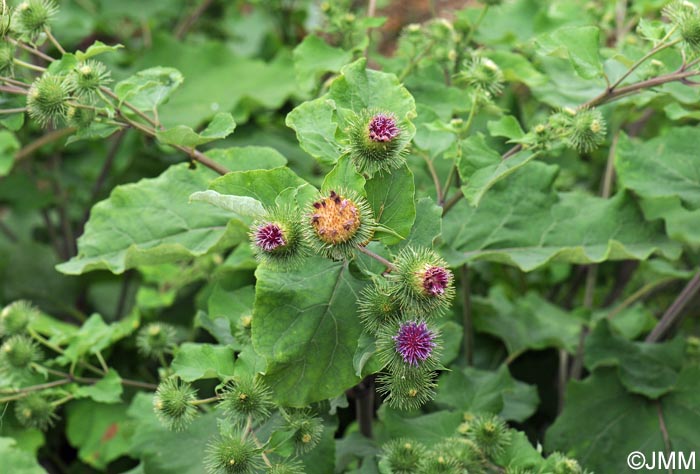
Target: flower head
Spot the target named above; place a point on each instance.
(376, 141)
(338, 222)
(435, 280)
(383, 128)
(269, 236)
(276, 237)
(414, 342)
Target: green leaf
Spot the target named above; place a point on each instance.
(528, 322)
(666, 179)
(151, 222)
(602, 422)
(245, 158)
(242, 206)
(194, 361)
(579, 43)
(9, 145)
(102, 433)
(166, 452)
(344, 175)
(480, 167)
(507, 126)
(320, 124)
(523, 222)
(225, 309)
(305, 325)
(106, 390)
(95, 49)
(263, 185)
(221, 126)
(149, 88)
(429, 429)
(17, 460)
(428, 224)
(92, 337)
(644, 368)
(476, 390)
(391, 196)
(218, 80)
(313, 57)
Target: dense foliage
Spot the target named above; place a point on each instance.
(302, 237)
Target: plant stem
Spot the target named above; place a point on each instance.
(92, 380)
(673, 313)
(452, 201)
(204, 401)
(13, 90)
(13, 111)
(50, 137)
(364, 405)
(51, 38)
(45, 342)
(639, 294)
(191, 19)
(35, 388)
(663, 45)
(433, 174)
(31, 66)
(390, 266)
(32, 50)
(476, 25)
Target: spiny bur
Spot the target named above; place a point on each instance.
(173, 403)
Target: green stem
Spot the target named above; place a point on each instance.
(13, 111)
(53, 40)
(643, 59)
(476, 25)
(204, 401)
(31, 66)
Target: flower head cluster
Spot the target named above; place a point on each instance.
(277, 239)
(424, 285)
(686, 16)
(383, 128)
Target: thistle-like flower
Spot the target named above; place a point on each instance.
(483, 75)
(422, 282)
(233, 454)
(87, 78)
(247, 396)
(32, 17)
(173, 404)
(337, 223)
(35, 411)
(276, 238)
(491, 434)
(156, 339)
(586, 130)
(47, 100)
(686, 17)
(307, 428)
(376, 142)
(560, 464)
(403, 456)
(15, 317)
(18, 352)
(414, 342)
(377, 306)
(438, 461)
(407, 388)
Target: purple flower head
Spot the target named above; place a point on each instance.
(435, 280)
(414, 342)
(383, 128)
(269, 236)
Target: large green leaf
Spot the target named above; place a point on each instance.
(221, 126)
(320, 124)
(194, 361)
(529, 322)
(602, 423)
(476, 390)
(149, 88)
(102, 433)
(305, 325)
(8, 146)
(666, 175)
(579, 43)
(644, 368)
(263, 185)
(17, 460)
(480, 167)
(391, 196)
(313, 57)
(152, 221)
(166, 452)
(229, 83)
(523, 222)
